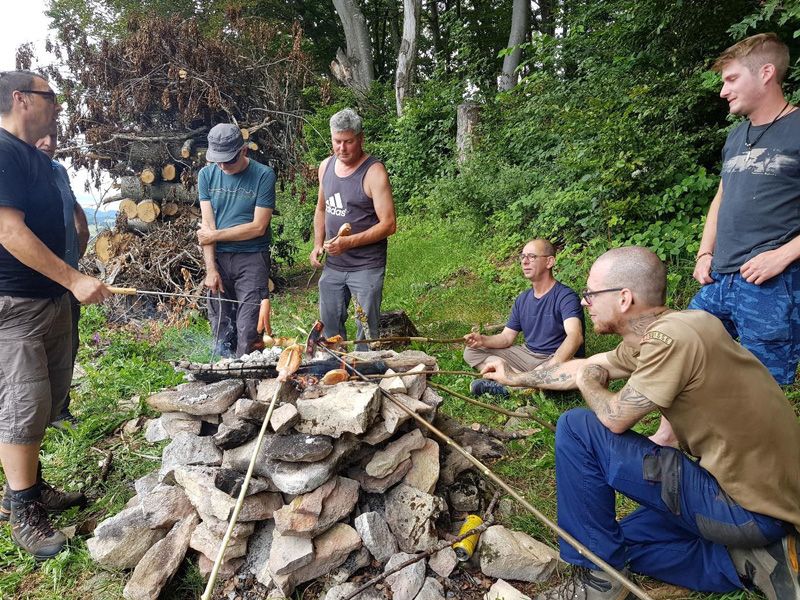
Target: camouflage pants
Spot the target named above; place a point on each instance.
(765, 318)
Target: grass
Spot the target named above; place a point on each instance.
(435, 274)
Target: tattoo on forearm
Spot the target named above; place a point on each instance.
(554, 375)
(628, 406)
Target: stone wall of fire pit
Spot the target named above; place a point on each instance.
(344, 480)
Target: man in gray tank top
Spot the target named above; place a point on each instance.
(354, 188)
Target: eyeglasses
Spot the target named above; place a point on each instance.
(530, 256)
(51, 96)
(587, 293)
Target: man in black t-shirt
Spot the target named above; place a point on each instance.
(748, 257)
(34, 309)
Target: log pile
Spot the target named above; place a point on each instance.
(346, 485)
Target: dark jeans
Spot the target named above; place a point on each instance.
(245, 277)
(685, 521)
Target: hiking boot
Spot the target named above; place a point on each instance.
(585, 584)
(51, 499)
(31, 530)
(65, 420)
(772, 569)
(487, 386)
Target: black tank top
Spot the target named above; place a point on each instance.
(346, 202)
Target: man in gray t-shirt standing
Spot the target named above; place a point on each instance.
(354, 188)
(748, 257)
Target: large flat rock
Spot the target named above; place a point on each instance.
(121, 541)
(410, 515)
(507, 554)
(349, 406)
(198, 399)
(310, 515)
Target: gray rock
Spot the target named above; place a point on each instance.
(206, 540)
(506, 554)
(289, 553)
(375, 534)
(188, 450)
(431, 590)
(160, 562)
(154, 431)
(431, 398)
(392, 384)
(250, 410)
(385, 461)
(146, 483)
(198, 483)
(300, 447)
(394, 416)
(415, 386)
(424, 471)
(299, 478)
(464, 497)
(211, 399)
(287, 393)
(230, 482)
(410, 515)
(443, 562)
(377, 434)
(165, 505)
(238, 458)
(284, 418)
(227, 568)
(406, 583)
(346, 407)
(331, 549)
(343, 590)
(121, 541)
(258, 551)
(173, 422)
(502, 590)
(379, 485)
(357, 560)
(311, 514)
(234, 434)
(219, 527)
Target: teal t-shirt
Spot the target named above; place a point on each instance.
(234, 199)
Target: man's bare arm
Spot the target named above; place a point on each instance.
(213, 281)
(617, 411)
(22, 243)
(571, 343)
(237, 233)
(702, 270)
(504, 339)
(319, 220)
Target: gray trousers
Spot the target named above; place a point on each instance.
(75, 309)
(245, 277)
(335, 290)
(518, 358)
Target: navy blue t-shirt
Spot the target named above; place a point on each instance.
(541, 320)
(27, 183)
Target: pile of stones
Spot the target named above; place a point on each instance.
(344, 481)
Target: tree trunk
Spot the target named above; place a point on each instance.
(434, 22)
(131, 187)
(355, 68)
(408, 52)
(467, 119)
(148, 210)
(518, 34)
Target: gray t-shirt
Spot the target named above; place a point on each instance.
(760, 207)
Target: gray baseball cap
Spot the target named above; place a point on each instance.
(224, 142)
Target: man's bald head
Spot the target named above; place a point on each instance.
(637, 269)
(542, 247)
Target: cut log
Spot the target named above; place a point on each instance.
(148, 176)
(245, 134)
(169, 209)
(128, 206)
(186, 149)
(140, 226)
(252, 146)
(131, 187)
(148, 210)
(169, 172)
(102, 246)
(201, 155)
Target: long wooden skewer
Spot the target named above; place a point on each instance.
(566, 536)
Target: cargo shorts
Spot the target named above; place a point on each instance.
(35, 365)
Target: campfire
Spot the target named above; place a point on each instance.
(345, 483)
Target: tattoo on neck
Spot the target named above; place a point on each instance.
(640, 324)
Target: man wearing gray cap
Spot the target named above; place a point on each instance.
(237, 197)
(354, 189)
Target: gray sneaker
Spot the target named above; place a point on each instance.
(51, 499)
(773, 569)
(486, 386)
(31, 530)
(585, 584)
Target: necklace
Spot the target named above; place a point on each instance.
(750, 144)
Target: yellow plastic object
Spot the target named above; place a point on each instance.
(465, 548)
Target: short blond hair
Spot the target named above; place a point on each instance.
(755, 52)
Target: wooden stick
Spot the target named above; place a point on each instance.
(407, 338)
(410, 374)
(488, 520)
(496, 409)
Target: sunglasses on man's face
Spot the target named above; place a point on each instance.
(50, 95)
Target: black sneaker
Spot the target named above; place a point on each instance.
(31, 530)
(585, 584)
(487, 386)
(773, 569)
(65, 421)
(51, 499)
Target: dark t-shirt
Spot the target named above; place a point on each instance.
(27, 183)
(760, 207)
(541, 320)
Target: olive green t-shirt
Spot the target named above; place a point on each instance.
(724, 407)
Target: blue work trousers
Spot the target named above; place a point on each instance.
(679, 533)
(765, 318)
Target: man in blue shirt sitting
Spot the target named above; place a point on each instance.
(549, 315)
(237, 197)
